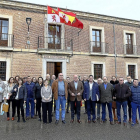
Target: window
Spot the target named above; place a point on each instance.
(98, 71)
(4, 32)
(131, 71)
(54, 36)
(129, 44)
(3, 70)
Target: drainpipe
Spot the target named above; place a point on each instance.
(115, 50)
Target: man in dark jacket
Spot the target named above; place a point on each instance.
(135, 100)
(38, 87)
(30, 86)
(121, 94)
(106, 92)
(91, 95)
(129, 83)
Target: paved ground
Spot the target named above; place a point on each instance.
(34, 130)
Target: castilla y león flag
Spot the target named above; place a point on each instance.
(67, 18)
(53, 15)
(70, 19)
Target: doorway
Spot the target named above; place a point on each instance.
(54, 68)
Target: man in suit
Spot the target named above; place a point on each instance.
(75, 91)
(106, 98)
(91, 95)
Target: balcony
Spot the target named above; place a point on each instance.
(6, 42)
(55, 45)
(98, 48)
(131, 50)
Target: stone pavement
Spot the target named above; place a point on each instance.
(35, 130)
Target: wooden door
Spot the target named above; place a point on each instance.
(50, 68)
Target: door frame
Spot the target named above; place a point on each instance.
(44, 66)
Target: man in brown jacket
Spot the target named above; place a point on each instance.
(75, 91)
(59, 89)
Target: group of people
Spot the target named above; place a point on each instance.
(26, 92)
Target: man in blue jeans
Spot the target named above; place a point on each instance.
(135, 100)
(30, 86)
(121, 94)
(106, 92)
(59, 89)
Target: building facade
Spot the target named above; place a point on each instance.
(106, 45)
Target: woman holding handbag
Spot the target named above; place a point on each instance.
(21, 95)
(114, 81)
(7, 96)
(2, 87)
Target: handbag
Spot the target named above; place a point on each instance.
(5, 107)
(114, 104)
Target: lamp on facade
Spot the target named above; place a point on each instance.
(28, 21)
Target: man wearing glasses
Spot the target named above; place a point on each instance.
(59, 89)
(121, 94)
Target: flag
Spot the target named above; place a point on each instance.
(69, 19)
(53, 15)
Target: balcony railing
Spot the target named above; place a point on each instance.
(131, 50)
(55, 44)
(7, 40)
(98, 47)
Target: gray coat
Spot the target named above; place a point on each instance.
(2, 85)
(106, 94)
(46, 93)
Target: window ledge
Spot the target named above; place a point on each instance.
(101, 54)
(45, 51)
(6, 48)
(131, 55)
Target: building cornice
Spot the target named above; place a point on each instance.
(16, 5)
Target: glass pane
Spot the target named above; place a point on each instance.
(50, 39)
(98, 39)
(4, 37)
(93, 38)
(93, 32)
(98, 44)
(4, 23)
(4, 30)
(97, 33)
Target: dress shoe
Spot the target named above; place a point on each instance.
(63, 121)
(89, 121)
(111, 123)
(33, 117)
(72, 121)
(93, 121)
(56, 122)
(101, 122)
(27, 118)
(8, 119)
(118, 122)
(79, 121)
(18, 120)
(124, 124)
(23, 120)
(12, 118)
(137, 121)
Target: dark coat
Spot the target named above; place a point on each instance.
(135, 94)
(38, 90)
(22, 92)
(95, 90)
(122, 92)
(106, 94)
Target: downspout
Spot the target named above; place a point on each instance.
(115, 55)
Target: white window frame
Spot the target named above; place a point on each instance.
(46, 33)
(8, 67)
(102, 37)
(136, 69)
(133, 38)
(103, 70)
(10, 26)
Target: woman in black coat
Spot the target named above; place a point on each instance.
(21, 94)
(114, 82)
